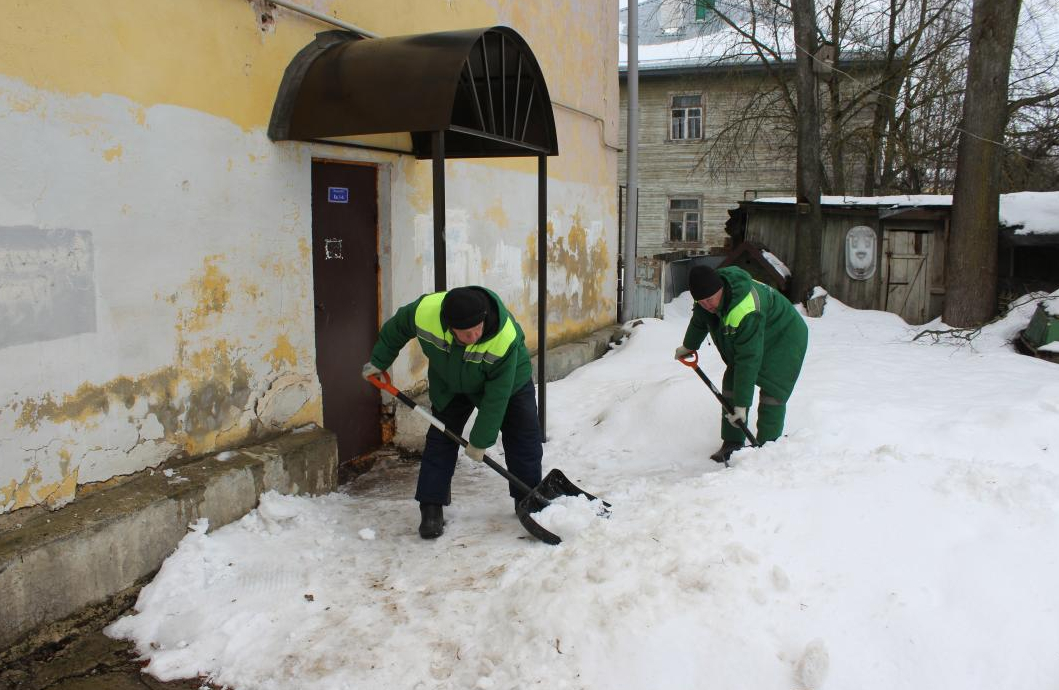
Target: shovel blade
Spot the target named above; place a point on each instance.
(554, 485)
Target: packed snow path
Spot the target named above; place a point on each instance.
(902, 535)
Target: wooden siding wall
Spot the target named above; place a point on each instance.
(675, 169)
(670, 168)
(774, 228)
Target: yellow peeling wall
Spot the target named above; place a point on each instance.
(155, 263)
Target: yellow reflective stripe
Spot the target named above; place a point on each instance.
(747, 305)
(428, 321)
(496, 347)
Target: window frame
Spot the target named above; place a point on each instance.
(684, 220)
(685, 118)
(702, 9)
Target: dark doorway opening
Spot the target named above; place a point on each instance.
(346, 299)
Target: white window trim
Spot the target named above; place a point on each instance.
(684, 220)
(669, 115)
(695, 11)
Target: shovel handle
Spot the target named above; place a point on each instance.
(382, 382)
(692, 360)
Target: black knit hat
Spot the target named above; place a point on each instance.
(464, 307)
(703, 282)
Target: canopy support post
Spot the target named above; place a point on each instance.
(542, 293)
(438, 151)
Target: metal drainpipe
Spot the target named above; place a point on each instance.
(324, 18)
(628, 285)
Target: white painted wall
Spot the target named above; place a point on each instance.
(139, 169)
(167, 195)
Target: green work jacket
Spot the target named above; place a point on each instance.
(759, 334)
(487, 372)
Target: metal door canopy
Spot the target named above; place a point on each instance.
(483, 87)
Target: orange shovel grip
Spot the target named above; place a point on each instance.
(382, 382)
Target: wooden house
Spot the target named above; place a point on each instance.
(693, 88)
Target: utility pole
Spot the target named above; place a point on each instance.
(628, 284)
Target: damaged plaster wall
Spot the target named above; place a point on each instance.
(157, 300)
(155, 246)
(491, 214)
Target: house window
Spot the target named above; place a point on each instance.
(687, 117)
(701, 8)
(683, 220)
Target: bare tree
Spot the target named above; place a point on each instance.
(891, 101)
(1031, 160)
(971, 259)
(879, 48)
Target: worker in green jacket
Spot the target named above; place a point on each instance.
(477, 357)
(762, 340)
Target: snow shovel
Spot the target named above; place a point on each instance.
(692, 360)
(554, 484)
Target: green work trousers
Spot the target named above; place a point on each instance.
(771, 411)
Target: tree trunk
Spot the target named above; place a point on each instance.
(837, 141)
(971, 259)
(809, 219)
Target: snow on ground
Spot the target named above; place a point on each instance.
(902, 535)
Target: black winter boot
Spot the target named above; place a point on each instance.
(433, 522)
(725, 451)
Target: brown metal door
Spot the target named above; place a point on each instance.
(346, 295)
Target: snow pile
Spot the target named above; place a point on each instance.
(893, 201)
(1051, 304)
(901, 535)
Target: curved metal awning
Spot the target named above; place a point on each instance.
(482, 87)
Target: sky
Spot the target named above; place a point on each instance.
(902, 534)
(1038, 31)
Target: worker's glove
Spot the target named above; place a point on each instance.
(682, 352)
(370, 370)
(738, 414)
(474, 452)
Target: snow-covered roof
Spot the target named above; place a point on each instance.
(894, 201)
(1028, 213)
(1031, 213)
(775, 262)
(669, 36)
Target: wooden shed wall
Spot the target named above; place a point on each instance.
(775, 230)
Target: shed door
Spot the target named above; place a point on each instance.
(906, 274)
(346, 296)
